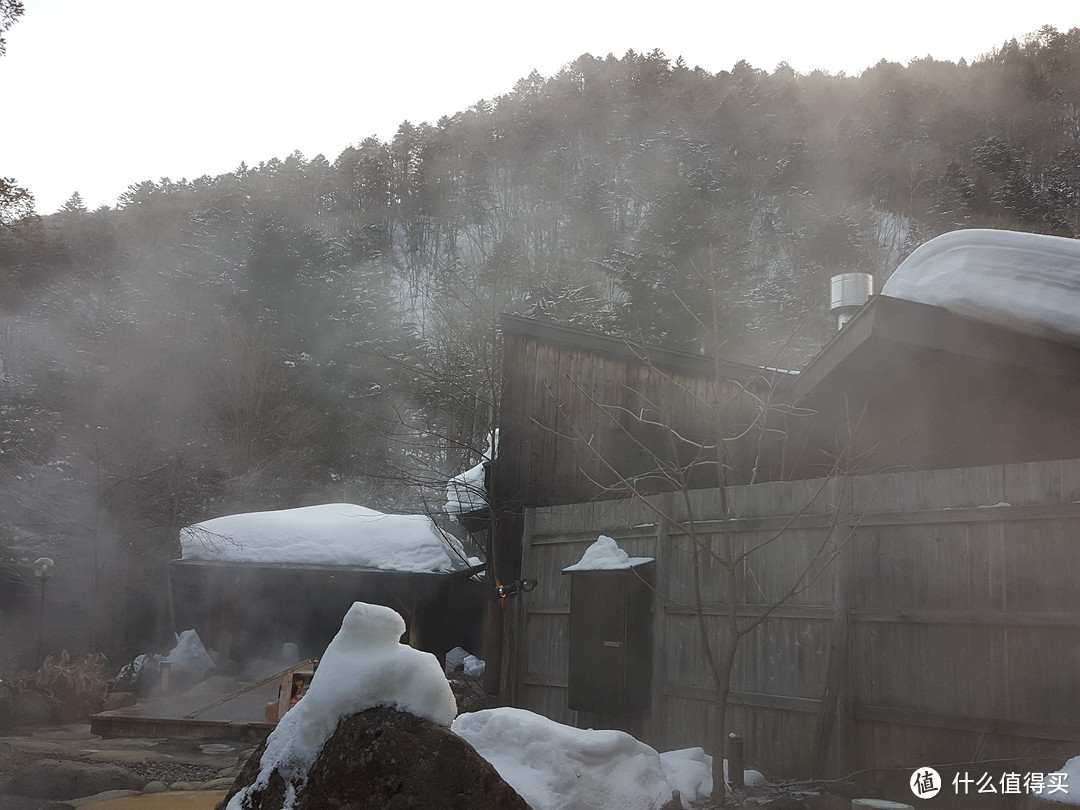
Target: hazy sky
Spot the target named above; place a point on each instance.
(95, 96)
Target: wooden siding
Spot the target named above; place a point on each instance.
(574, 419)
(946, 630)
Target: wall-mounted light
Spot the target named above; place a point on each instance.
(516, 587)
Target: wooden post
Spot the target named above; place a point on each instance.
(657, 708)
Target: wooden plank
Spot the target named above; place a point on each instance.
(533, 679)
(740, 698)
(660, 669)
(979, 514)
(590, 535)
(976, 725)
(787, 611)
(968, 617)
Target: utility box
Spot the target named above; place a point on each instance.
(611, 639)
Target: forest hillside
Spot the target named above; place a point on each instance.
(323, 328)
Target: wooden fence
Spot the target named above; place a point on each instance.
(939, 623)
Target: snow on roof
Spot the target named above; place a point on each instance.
(467, 492)
(1022, 281)
(364, 666)
(327, 534)
(605, 555)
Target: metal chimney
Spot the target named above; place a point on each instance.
(849, 292)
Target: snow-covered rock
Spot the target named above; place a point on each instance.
(1023, 281)
(327, 534)
(605, 555)
(364, 666)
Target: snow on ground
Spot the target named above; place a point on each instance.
(605, 555)
(467, 492)
(328, 534)
(364, 666)
(1023, 281)
(558, 767)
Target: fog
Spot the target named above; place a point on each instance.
(317, 330)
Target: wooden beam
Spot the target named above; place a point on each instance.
(986, 618)
(975, 725)
(756, 699)
(786, 611)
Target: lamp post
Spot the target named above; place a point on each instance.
(43, 569)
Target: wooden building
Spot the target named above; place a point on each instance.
(586, 416)
(908, 386)
(246, 611)
(903, 386)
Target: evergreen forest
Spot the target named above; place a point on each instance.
(326, 328)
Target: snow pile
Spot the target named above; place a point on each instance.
(364, 666)
(460, 658)
(467, 492)
(556, 767)
(328, 534)
(605, 555)
(1023, 281)
(475, 667)
(455, 660)
(189, 657)
(689, 771)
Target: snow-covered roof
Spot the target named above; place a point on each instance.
(1023, 281)
(605, 555)
(328, 534)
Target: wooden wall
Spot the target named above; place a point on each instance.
(576, 406)
(945, 629)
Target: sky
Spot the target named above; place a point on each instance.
(97, 96)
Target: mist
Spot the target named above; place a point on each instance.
(310, 330)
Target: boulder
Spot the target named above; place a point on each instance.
(118, 700)
(382, 759)
(25, 708)
(62, 779)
